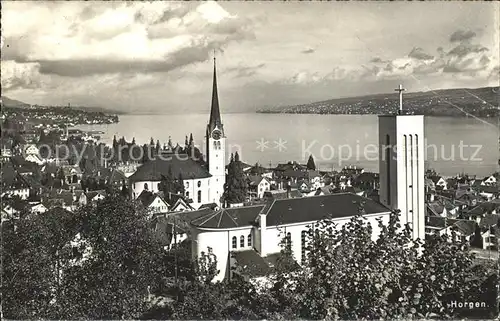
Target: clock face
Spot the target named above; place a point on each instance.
(216, 134)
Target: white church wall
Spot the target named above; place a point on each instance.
(276, 234)
(221, 244)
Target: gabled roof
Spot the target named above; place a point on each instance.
(435, 179)
(183, 165)
(117, 176)
(147, 197)
(211, 206)
(367, 177)
(229, 217)
(92, 194)
(483, 208)
(316, 208)
(465, 227)
(255, 180)
(489, 220)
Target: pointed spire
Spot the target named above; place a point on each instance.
(215, 119)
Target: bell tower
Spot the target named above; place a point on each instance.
(401, 166)
(216, 146)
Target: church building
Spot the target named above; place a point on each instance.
(203, 184)
(250, 237)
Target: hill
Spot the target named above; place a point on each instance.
(7, 102)
(12, 103)
(480, 102)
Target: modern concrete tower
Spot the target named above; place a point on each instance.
(216, 147)
(401, 166)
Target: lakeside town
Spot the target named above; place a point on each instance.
(204, 206)
(431, 103)
(215, 221)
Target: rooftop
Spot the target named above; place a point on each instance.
(181, 165)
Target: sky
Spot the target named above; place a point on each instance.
(157, 57)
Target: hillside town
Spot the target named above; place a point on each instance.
(433, 103)
(239, 222)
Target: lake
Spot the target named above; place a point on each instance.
(454, 145)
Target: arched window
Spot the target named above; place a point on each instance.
(303, 245)
(242, 241)
(215, 145)
(199, 183)
(288, 240)
(199, 196)
(146, 186)
(187, 184)
(249, 240)
(233, 242)
(187, 194)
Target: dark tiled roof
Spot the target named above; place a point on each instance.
(211, 206)
(367, 177)
(489, 220)
(251, 263)
(438, 221)
(146, 197)
(229, 217)
(294, 193)
(466, 227)
(117, 176)
(154, 169)
(483, 208)
(316, 208)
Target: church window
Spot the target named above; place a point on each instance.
(303, 245)
(215, 145)
(233, 242)
(187, 184)
(187, 194)
(199, 196)
(242, 241)
(146, 186)
(249, 240)
(388, 168)
(199, 183)
(288, 240)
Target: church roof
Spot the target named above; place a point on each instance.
(290, 211)
(181, 164)
(316, 208)
(229, 217)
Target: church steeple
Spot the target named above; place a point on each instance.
(215, 120)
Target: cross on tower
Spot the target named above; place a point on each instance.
(400, 89)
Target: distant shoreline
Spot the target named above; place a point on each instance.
(370, 114)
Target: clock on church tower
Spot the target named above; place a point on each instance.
(216, 134)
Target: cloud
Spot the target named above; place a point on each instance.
(378, 60)
(462, 35)
(16, 76)
(308, 50)
(122, 37)
(418, 53)
(245, 71)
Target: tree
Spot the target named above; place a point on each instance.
(179, 185)
(133, 141)
(348, 275)
(310, 163)
(236, 185)
(42, 138)
(170, 144)
(113, 282)
(158, 147)
(167, 183)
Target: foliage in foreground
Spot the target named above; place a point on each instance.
(108, 271)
